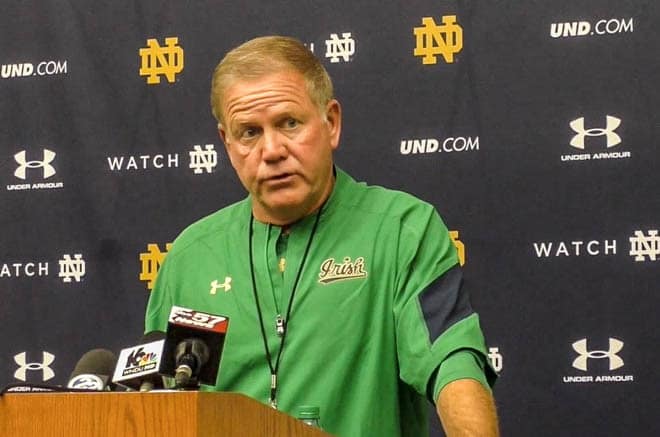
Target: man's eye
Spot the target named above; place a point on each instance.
(291, 123)
(249, 132)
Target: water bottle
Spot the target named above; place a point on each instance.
(309, 415)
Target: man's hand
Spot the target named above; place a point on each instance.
(466, 408)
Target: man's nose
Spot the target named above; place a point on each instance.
(274, 145)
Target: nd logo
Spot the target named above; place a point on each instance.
(432, 40)
(158, 60)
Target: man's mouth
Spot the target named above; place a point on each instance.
(279, 178)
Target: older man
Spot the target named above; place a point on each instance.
(343, 296)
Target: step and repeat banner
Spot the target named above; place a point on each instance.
(532, 127)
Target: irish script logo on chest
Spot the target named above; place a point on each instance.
(332, 271)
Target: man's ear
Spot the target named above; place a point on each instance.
(333, 121)
(223, 134)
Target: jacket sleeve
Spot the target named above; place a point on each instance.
(432, 311)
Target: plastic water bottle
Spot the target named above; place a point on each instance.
(309, 415)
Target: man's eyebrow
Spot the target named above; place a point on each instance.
(239, 121)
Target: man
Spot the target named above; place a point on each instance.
(341, 296)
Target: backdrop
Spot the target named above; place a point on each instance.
(532, 126)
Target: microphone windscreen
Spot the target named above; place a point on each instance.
(152, 336)
(95, 362)
(185, 324)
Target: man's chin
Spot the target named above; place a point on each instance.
(283, 209)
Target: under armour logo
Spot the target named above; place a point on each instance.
(580, 347)
(611, 124)
(24, 164)
(46, 372)
(225, 286)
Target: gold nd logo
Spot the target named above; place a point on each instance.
(460, 247)
(433, 40)
(151, 261)
(157, 60)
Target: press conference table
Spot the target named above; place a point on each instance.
(154, 414)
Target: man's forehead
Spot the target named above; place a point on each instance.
(287, 79)
(281, 89)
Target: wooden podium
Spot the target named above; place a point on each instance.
(154, 414)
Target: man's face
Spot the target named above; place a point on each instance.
(280, 144)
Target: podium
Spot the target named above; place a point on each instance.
(152, 414)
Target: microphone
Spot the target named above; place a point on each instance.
(137, 367)
(193, 345)
(93, 370)
(190, 355)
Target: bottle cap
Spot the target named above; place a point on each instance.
(308, 412)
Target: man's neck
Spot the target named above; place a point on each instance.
(286, 219)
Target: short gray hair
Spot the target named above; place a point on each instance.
(266, 55)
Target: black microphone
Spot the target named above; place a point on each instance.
(190, 355)
(137, 366)
(193, 345)
(93, 370)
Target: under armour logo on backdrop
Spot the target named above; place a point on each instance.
(46, 372)
(580, 347)
(610, 126)
(24, 164)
